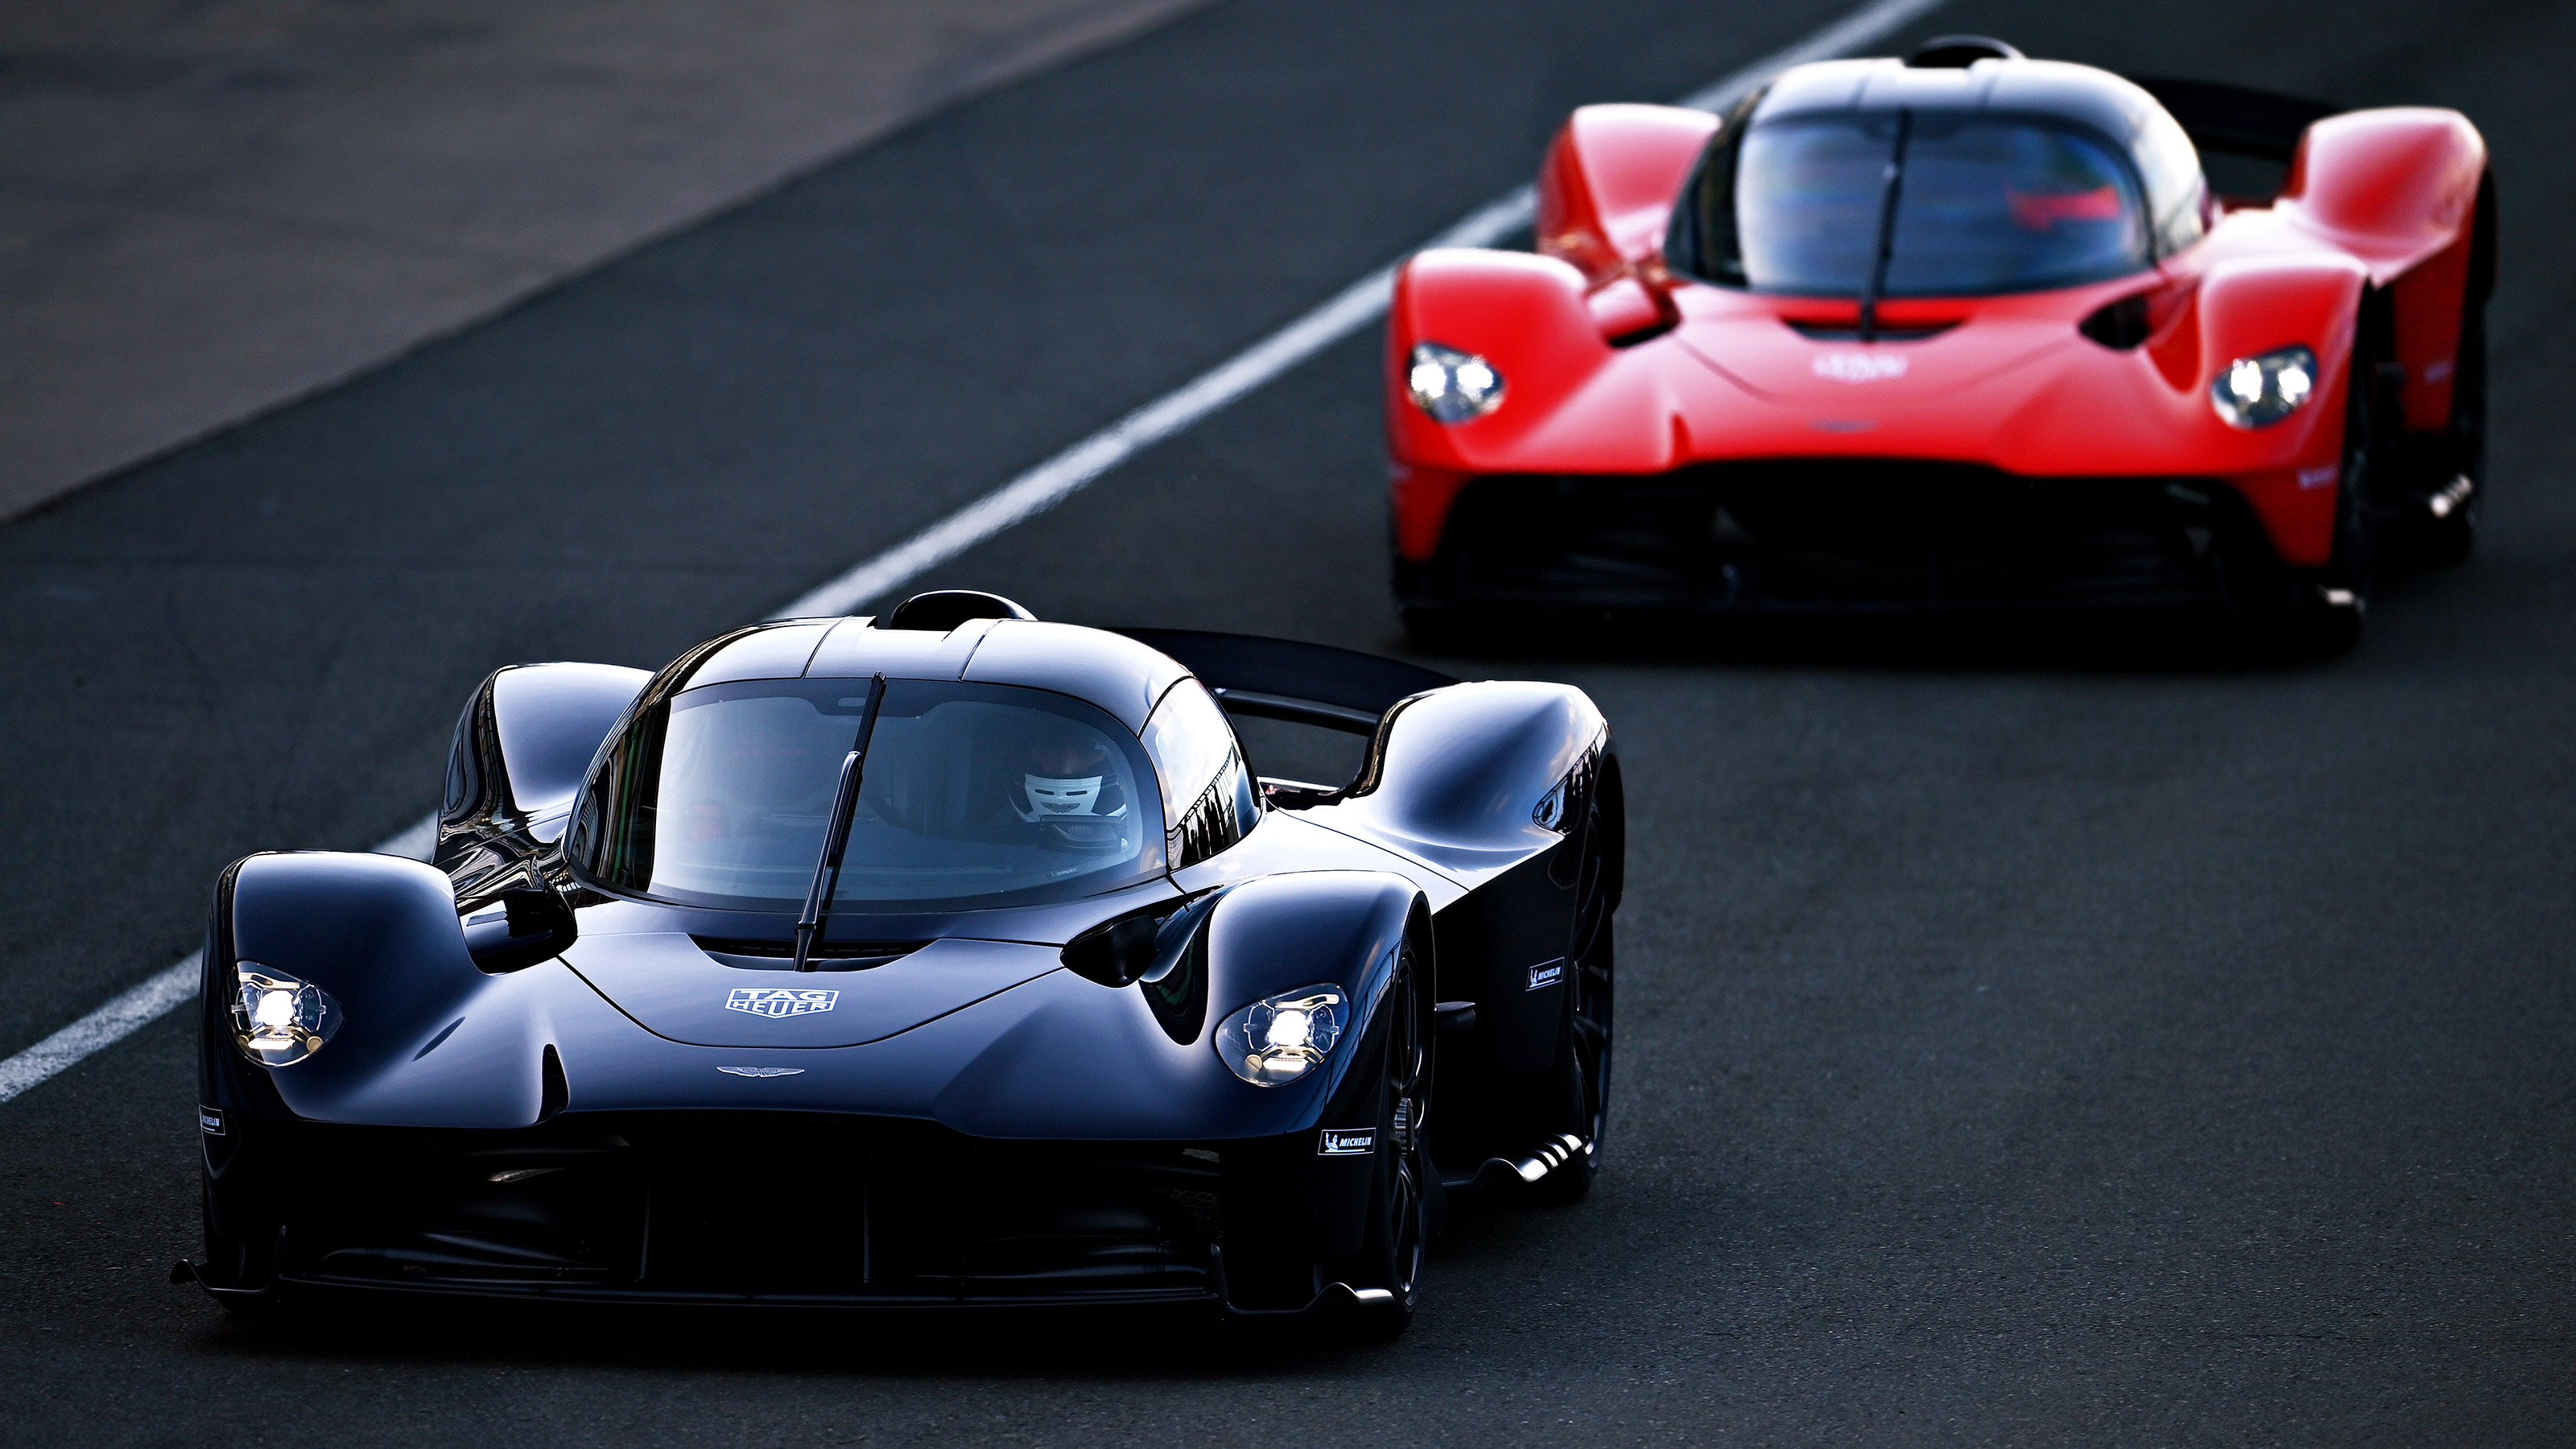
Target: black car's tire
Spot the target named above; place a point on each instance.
(266, 1308)
(1392, 1251)
(1581, 1083)
(2451, 538)
(233, 1261)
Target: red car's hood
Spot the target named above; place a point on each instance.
(1832, 375)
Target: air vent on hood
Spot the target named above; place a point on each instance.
(1850, 332)
(826, 955)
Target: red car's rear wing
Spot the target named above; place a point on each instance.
(2236, 120)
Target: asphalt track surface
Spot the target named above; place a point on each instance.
(2025, 1037)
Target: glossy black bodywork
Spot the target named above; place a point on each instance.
(985, 1112)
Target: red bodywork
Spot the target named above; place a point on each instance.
(1615, 367)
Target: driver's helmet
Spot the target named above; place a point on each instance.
(1071, 787)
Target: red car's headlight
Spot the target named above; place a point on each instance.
(1452, 386)
(2258, 391)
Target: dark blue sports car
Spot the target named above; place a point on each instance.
(945, 957)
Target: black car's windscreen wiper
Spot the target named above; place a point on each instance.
(836, 832)
(1894, 187)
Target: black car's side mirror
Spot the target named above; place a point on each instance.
(518, 929)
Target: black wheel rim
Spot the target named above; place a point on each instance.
(1593, 982)
(1408, 1079)
(1405, 1230)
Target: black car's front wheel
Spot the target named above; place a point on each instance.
(1386, 1274)
(1581, 1086)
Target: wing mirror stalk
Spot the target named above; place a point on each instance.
(1141, 946)
(1634, 306)
(527, 927)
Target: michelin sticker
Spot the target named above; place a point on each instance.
(1547, 973)
(780, 1000)
(1337, 1143)
(210, 1120)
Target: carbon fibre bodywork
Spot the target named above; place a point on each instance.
(952, 1105)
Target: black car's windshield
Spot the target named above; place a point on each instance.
(1983, 205)
(974, 795)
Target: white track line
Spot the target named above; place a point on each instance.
(1354, 307)
(140, 1006)
(1035, 491)
(1068, 472)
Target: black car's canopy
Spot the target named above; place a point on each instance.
(972, 792)
(1878, 179)
(1010, 762)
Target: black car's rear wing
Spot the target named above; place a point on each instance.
(1283, 679)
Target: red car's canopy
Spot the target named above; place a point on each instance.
(1861, 178)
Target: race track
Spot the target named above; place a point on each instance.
(2023, 1038)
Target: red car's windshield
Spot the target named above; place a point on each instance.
(1982, 206)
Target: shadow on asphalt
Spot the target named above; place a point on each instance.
(1481, 1245)
(2174, 645)
(2179, 643)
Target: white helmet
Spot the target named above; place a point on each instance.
(1070, 789)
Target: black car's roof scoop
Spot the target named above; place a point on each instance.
(1958, 52)
(945, 609)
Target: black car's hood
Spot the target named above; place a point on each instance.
(674, 989)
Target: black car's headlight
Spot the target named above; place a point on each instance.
(2258, 391)
(1282, 1038)
(278, 1020)
(1451, 385)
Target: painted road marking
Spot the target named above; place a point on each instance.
(1035, 491)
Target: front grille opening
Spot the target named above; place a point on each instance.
(749, 1205)
(1823, 534)
(751, 955)
(1886, 332)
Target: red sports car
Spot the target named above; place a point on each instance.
(1968, 330)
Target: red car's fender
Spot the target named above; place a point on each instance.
(2147, 412)
(1607, 186)
(2290, 472)
(1571, 402)
(2399, 188)
(2391, 186)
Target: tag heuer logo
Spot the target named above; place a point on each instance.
(1547, 973)
(1346, 1144)
(779, 1000)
